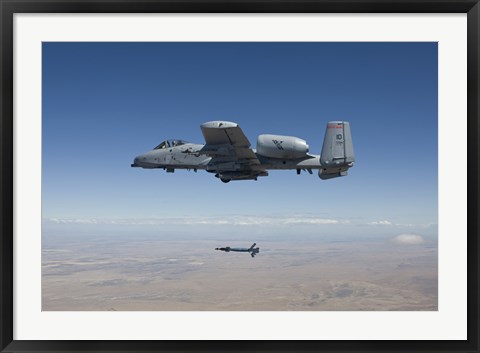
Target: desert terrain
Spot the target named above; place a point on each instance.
(157, 274)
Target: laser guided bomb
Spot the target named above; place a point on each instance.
(252, 250)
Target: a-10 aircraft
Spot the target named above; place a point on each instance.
(228, 154)
(252, 250)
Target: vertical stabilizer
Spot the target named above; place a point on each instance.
(337, 151)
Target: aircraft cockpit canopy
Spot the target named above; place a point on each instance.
(170, 143)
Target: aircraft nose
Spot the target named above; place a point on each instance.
(136, 162)
(146, 160)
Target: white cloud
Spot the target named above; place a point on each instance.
(308, 221)
(219, 220)
(77, 221)
(231, 220)
(408, 239)
(380, 223)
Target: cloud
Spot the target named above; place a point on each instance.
(308, 221)
(236, 220)
(71, 221)
(380, 223)
(408, 239)
(218, 220)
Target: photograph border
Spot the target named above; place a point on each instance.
(9, 8)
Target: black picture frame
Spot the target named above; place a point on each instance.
(7, 10)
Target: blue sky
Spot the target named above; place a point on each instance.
(105, 103)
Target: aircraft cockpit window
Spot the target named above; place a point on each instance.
(175, 143)
(170, 143)
(161, 146)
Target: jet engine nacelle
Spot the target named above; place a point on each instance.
(283, 147)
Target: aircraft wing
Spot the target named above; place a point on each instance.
(224, 132)
(229, 148)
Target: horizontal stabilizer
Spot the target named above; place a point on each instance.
(326, 176)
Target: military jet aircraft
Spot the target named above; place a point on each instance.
(228, 154)
(252, 250)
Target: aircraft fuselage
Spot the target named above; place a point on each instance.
(187, 156)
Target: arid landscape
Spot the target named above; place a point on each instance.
(149, 273)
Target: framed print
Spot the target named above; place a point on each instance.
(239, 176)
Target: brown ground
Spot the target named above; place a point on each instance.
(286, 275)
